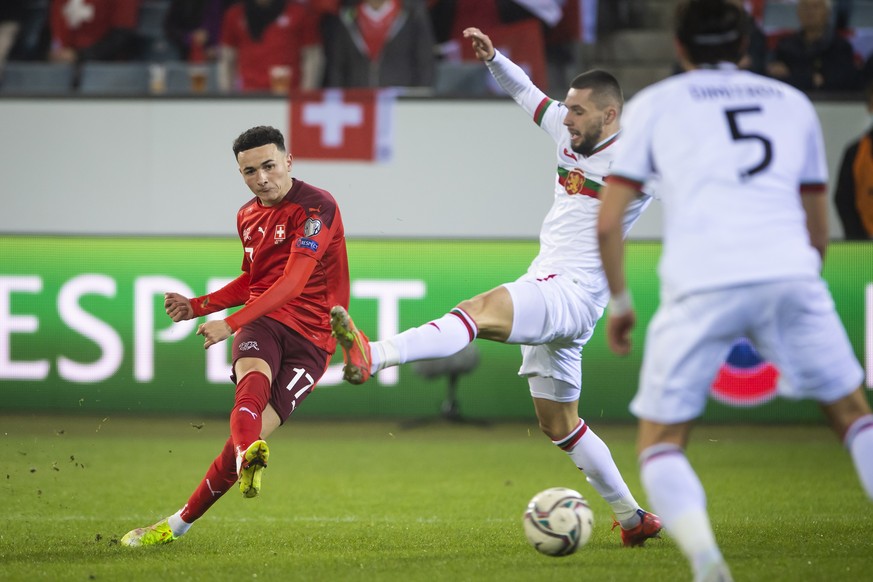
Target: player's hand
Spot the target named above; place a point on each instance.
(178, 307)
(214, 332)
(618, 332)
(482, 45)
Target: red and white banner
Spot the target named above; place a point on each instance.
(342, 124)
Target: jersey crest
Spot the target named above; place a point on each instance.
(575, 182)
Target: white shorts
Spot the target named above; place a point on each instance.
(793, 324)
(553, 318)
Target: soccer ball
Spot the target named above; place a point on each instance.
(558, 521)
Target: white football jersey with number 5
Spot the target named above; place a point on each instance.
(732, 150)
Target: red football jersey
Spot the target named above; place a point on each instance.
(307, 221)
(279, 45)
(79, 25)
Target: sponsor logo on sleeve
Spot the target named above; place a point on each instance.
(307, 243)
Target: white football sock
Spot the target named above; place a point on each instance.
(436, 339)
(677, 496)
(859, 441)
(592, 457)
(177, 524)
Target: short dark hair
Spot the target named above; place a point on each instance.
(257, 137)
(605, 89)
(712, 31)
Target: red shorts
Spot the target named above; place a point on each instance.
(295, 362)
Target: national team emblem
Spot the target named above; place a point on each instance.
(574, 182)
(336, 124)
(280, 234)
(312, 227)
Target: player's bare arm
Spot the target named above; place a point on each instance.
(178, 307)
(621, 317)
(815, 204)
(482, 45)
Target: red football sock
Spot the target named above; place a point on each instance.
(218, 480)
(252, 395)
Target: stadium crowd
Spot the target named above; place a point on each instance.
(277, 45)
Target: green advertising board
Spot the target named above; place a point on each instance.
(82, 328)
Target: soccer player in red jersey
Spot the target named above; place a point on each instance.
(294, 269)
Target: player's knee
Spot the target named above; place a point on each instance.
(556, 429)
(472, 307)
(548, 429)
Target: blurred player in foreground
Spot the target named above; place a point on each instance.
(294, 269)
(742, 176)
(551, 311)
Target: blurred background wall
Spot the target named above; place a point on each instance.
(461, 168)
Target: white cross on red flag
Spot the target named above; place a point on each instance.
(342, 124)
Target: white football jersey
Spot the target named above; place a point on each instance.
(731, 150)
(568, 236)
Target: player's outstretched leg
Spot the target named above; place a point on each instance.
(153, 535)
(252, 466)
(355, 346)
(591, 456)
(649, 527)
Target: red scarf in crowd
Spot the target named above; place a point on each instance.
(375, 23)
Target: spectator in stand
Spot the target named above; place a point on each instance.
(755, 59)
(269, 45)
(449, 18)
(815, 58)
(379, 43)
(195, 23)
(853, 195)
(11, 15)
(93, 30)
(33, 38)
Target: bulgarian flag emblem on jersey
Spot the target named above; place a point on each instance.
(575, 182)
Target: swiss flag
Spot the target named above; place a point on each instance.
(342, 124)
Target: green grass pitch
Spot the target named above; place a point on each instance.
(373, 501)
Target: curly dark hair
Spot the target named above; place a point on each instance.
(712, 31)
(257, 137)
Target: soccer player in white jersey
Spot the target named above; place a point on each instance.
(552, 309)
(742, 177)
